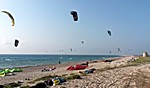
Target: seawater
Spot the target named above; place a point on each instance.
(10, 61)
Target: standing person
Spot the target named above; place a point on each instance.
(87, 63)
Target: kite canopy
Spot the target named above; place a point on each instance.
(82, 42)
(118, 49)
(16, 42)
(70, 49)
(75, 15)
(109, 32)
(109, 51)
(11, 17)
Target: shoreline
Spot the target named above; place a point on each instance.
(58, 63)
(55, 64)
(34, 72)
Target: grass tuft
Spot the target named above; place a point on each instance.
(72, 76)
(12, 85)
(142, 60)
(44, 78)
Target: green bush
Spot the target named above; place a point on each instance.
(142, 60)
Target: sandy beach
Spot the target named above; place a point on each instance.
(124, 77)
(34, 72)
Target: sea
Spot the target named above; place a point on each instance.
(11, 61)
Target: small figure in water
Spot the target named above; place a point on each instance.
(59, 62)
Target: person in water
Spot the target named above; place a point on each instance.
(59, 62)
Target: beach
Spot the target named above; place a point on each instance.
(33, 72)
(113, 74)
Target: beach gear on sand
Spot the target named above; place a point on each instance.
(88, 71)
(56, 82)
(61, 79)
(27, 78)
(2, 74)
(20, 81)
(106, 60)
(48, 69)
(17, 70)
(77, 67)
(93, 69)
(12, 70)
(9, 72)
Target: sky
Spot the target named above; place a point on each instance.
(46, 27)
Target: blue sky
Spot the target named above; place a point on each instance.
(45, 27)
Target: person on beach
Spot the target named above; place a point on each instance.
(87, 63)
(48, 69)
(53, 68)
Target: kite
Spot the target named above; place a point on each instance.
(70, 49)
(82, 42)
(75, 15)
(16, 42)
(11, 17)
(109, 32)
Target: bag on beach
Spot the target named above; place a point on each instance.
(56, 82)
(2, 74)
